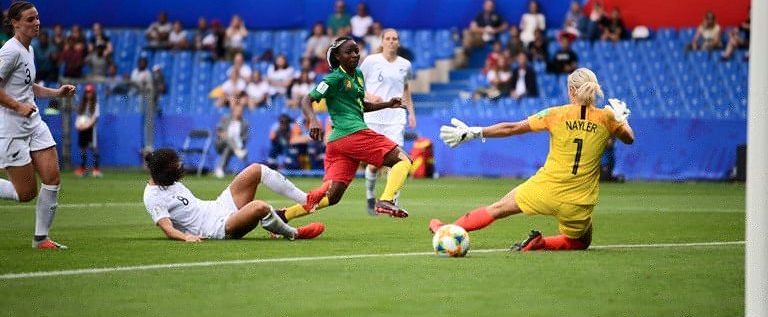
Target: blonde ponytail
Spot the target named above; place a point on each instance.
(584, 84)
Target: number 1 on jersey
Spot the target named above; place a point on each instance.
(579, 145)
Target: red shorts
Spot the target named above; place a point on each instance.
(343, 156)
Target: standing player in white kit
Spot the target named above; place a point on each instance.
(26, 144)
(386, 76)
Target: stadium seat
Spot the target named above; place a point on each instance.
(195, 149)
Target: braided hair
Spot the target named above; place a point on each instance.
(334, 62)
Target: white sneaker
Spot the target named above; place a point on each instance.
(218, 172)
(241, 153)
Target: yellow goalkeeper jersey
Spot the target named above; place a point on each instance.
(578, 136)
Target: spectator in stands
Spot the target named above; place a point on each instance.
(214, 41)
(515, 45)
(299, 146)
(374, 38)
(338, 22)
(231, 137)
(86, 131)
(239, 65)
(157, 33)
(498, 79)
(538, 49)
(200, 32)
(97, 61)
(231, 90)
(257, 90)
(279, 137)
(595, 22)
(141, 77)
(707, 36)
(310, 153)
(45, 59)
(575, 23)
(116, 83)
(300, 87)
(613, 29)
(485, 28)
(530, 22)
(523, 81)
(76, 35)
(158, 81)
(306, 66)
(737, 38)
(58, 38)
(564, 61)
(98, 38)
(235, 37)
(280, 75)
(267, 56)
(361, 23)
(73, 58)
(177, 39)
(496, 53)
(317, 44)
(5, 34)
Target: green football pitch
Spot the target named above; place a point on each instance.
(659, 249)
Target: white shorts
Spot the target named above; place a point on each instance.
(16, 151)
(218, 211)
(393, 132)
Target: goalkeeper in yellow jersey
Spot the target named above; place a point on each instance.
(566, 187)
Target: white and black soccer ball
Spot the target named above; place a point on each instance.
(451, 240)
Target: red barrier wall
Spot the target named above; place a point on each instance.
(672, 13)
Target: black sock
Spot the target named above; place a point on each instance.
(40, 238)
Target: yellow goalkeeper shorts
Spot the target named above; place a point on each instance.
(533, 199)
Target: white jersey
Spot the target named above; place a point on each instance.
(187, 213)
(386, 80)
(17, 75)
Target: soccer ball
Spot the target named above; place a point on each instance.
(451, 240)
(82, 121)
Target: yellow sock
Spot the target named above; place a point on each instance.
(297, 210)
(396, 179)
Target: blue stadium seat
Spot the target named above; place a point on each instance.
(666, 34)
(406, 38)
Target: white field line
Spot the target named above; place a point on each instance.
(14, 276)
(281, 202)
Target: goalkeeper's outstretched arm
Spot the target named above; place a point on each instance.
(505, 129)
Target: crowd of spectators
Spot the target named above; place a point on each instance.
(73, 55)
(529, 40)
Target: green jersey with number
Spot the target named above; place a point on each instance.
(344, 95)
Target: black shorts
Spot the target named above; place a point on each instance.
(85, 138)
